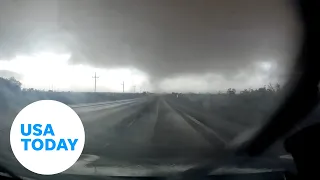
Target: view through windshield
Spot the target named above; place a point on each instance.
(154, 82)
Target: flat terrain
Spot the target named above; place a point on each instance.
(129, 136)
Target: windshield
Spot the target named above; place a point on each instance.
(155, 83)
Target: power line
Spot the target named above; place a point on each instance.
(122, 86)
(95, 82)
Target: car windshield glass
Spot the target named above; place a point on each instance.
(155, 83)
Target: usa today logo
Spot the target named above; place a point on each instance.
(47, 137)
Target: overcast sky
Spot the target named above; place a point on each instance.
(155, 45)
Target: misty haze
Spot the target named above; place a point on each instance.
(154, 82)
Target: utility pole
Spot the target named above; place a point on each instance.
(95, 82)
(122, 86)
(134, 89)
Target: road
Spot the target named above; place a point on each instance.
(154, 131)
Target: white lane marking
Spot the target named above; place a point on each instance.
(93, 108)
(243, 137)
(234, 170)
(185, 127)
(206, 128)
(134, 120)
(287, 156)
(157, 110)
(9, 177)
(81, 168)
(134, 170)
(101, 103)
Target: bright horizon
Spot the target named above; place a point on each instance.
(50, 71)
(53, 71)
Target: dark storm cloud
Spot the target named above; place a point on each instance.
(161, 38)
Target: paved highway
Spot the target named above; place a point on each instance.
(153, 130)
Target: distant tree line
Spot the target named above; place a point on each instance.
(246, 107)
(270, 88)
